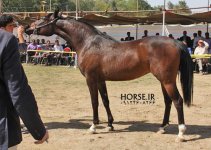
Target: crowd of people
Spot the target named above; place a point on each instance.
(57, 57)
(197, 45)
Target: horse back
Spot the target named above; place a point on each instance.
(130, 60)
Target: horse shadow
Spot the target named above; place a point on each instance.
(202, 131)
(133, 126)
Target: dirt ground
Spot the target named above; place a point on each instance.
(65, 107)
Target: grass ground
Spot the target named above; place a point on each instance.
(65, 106)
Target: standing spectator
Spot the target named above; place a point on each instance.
(16, 97)
(196, 39)
(208, 40)
(129, 38)
(171, 36)
(192, 41)
(185, 38)
(157, 34)
(145, 34)
(201, 49)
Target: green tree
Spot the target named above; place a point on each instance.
(114, 5)
(101, 5)
(170, 5)
(183, 5)
(180, 8)
(121, 5)
(87, 5)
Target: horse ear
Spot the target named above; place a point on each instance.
(56, 12)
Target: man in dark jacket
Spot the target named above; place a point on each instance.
(185, 38)
(16, 97)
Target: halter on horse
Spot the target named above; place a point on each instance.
(102, 58)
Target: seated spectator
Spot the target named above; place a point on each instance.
(39, 46)
(201, 49)
(67, 49)
(129, 38)
(59, 48)
(42, 42)
(47, 46)
(47, 55)
(32, 46)
(68, 58)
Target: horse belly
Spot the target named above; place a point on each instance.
(115, 73)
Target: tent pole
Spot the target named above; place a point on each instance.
(76, 10)
(136, 31)
(164, 14)
(208, 11)
(1, 6)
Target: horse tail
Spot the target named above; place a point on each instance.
(186, 74)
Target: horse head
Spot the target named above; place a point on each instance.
(45, 26)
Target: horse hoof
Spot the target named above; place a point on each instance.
(161, 131)
(180, 139)
(110, 129)
(92, 131)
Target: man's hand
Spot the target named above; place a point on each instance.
(45, 138)
(20, 34)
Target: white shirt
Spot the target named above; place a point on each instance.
(58, 48)
(196, 39)
(202, 50)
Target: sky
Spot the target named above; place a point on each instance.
(190, 3)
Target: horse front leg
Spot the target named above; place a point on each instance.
(104, 95)
(92, 84)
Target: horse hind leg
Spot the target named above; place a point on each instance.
(173, 93)
(104, 95)
(168, 103)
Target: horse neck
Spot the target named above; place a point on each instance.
(74, 33)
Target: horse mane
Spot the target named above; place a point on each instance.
(92, 28)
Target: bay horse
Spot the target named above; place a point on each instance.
(101, 58)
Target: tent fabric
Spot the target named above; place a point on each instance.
(95, 19)
(170, 18)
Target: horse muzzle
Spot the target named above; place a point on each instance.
(29, 30)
